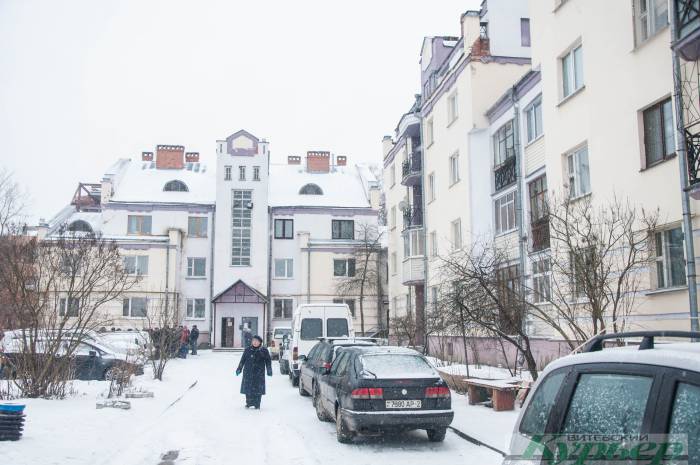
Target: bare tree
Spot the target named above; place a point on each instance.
(161, 321)
(13, 203)
(366, 280)
(57, 291)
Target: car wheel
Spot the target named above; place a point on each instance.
(437, 434)
(302, 391)
(295, 380)
(320, 412)
(110, 374)
(283, 370)
(342, 432)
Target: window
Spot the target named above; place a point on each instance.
(227, 173)
(452, 108)
(392, 174)
(69, 306)
(195, 309)
(310, 189)
(508, 279)
(433, 244)
(541, 285)
(241, 213)
(539, 215)
(284, 268)
(534, 120)
(572, 71)
(80, 226)
(337, 327)
(659, 143)
(456, 229)
(311, 329)
(415, 243)
(256, 173)
(394, 263)
(429, 132)
(503, 144)
(175, 186)
(343, 229)
(284, 229)
(431, 187)
(650, 17)
(504, 213)
(340, 365)
(434, 297)
(578, 173)
(196, 267)
(608, 404)
(349, 302)
(525, 32)
(454, 168)
(670, 259)
(241, 173)
(684, 418)
(537, 414)
(344, 267)
(136, 265)
(392, 217)
(134, 307)
(581, 261)
(197, 226)
(283, 308)
(139, 225)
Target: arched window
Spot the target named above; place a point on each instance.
(310, 189)
(175, 186)
(79, 226)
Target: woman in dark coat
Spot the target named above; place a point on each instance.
(254, 362)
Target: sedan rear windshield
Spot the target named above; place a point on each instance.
(397, 366)
(337, 327)
(311, 329)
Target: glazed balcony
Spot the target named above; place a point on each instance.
(688, 29)
(413, 271)
(411, 170)
(412, 217)
(540, 234)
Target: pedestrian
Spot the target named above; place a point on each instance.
(254, 362)
(194, 339)
(184, 341)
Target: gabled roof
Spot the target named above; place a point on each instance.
(240, 292)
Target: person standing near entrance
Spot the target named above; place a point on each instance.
(184, 341)
(194, 339)
(255, 361)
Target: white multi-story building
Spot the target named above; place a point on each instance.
(159, 211)
(320, 207)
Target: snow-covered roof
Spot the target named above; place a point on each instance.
(140, 181)
(343, 186)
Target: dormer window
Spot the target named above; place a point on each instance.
(310, 189)
(80, 226)
(175, 186)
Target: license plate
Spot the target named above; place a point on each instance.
(403, 404)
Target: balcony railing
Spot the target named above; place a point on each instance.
(504, 174)
(540, 234)
(692, 143)
(412, 217)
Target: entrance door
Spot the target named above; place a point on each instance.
(251, 323)
(227, 332)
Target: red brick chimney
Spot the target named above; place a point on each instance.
(341, 160)
(192, 157)
(170, 157)
(318, 162)
(146, 156)
(293, 160)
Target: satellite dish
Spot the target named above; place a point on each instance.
(403, 205)
(249, 205)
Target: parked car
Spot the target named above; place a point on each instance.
(276, 342)
(310, 322)
(652, 387)
(284, 361)
(136, 344)
(321, 358)
(89, 360)
(370, 390)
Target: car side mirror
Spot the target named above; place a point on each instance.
(303, 358)
(325, 371)
(92, 353)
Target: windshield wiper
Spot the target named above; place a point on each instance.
(371, 373)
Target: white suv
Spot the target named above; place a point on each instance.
(616, 397)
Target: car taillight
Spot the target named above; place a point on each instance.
(437, 392)
(367, 393)
(295, 353)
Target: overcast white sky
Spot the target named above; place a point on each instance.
(83, 83)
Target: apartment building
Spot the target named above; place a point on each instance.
(607, 86)
(321, 209)
(159, 210)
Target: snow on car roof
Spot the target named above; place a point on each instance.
(343, 186)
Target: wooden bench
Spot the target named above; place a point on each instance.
(502, 392)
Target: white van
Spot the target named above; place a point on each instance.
(310, 322)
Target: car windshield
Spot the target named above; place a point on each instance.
(280, 333)
(397, 366)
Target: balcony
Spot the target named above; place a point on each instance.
(412, 217)
(505, 174)
(411, 170)
(540, 234)
(688, 29)
(413, 271)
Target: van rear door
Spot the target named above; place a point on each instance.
(338, 321)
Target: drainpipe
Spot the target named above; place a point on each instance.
(266, 316)
(308, 272)
(212, 311)
(683, 168)
(425, 239)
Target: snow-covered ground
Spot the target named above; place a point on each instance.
(209, 425)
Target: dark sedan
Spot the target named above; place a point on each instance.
(370, 390)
